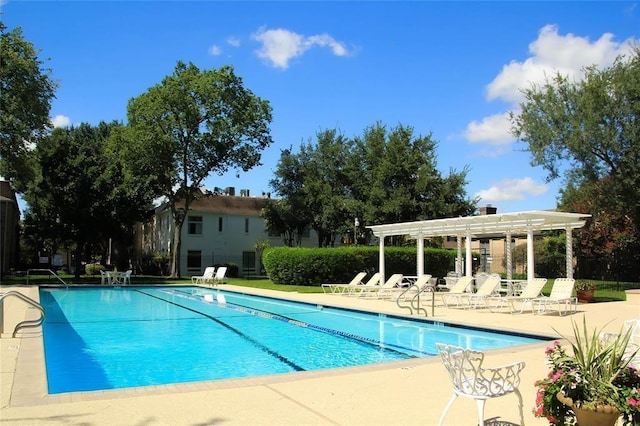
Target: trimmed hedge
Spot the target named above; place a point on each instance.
(314, 266)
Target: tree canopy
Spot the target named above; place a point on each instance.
(26, 90)
(192, 124)
(74, 199)
(588, 132)
(380, 177)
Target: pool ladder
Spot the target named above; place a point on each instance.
(26, 323)
(415, 300)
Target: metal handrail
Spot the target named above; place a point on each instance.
(425, 289)
(49, 271)
(25, 323)
(401, 297)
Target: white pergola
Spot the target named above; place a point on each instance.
(505, 225)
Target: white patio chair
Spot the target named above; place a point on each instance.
(471, 380)
(531, 291)
(219, 277)
(341, 288)
(561, 295)
(104, 278)
(488, 288)
(206, 276)
(126, 277)
(632, 350)
(457, 292)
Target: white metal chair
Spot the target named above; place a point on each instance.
(104, 278)
(471, 380)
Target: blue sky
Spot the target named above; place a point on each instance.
(453, 69)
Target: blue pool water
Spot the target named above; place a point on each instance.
(110, 338)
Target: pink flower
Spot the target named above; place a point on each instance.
(633, 402)
(550, 349)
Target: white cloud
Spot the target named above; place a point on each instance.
(512, 189)
(551, 53)
(233, 41)
(215, 50)
(279, 46)
(61, 121)
(494, 129)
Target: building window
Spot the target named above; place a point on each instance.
(195, 225)
(220, 224)
(194, 259)
(248, 260)
(246, 225)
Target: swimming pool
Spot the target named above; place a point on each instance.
(110, 338)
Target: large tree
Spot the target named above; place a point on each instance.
(26, 91)
(588, 132)
(193, 124)
(384, 176)
(70, 198)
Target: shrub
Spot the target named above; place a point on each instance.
(93, 268)
(314, 266)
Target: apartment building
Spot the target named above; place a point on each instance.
(218, 229)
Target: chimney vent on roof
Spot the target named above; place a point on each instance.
(489, 209)
(244, 192)
(230, 190)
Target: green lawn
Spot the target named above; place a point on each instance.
(606, 291)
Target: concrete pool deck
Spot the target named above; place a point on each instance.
(412, 392)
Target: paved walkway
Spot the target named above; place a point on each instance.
(410, 392)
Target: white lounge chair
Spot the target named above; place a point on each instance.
(488, 288)
(341, 288)
(632, 350)
(458, 291)
(561, 295)
(471, 380)
(206, 276)
(421, 284)
(387, 289)
(373, 282)
(531, 291)
(220, 275)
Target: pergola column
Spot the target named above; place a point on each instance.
(509, 260)
(469, 267)
(420, 255)
(569, 253)
(459, 255)
(381, 258)
(530, 259)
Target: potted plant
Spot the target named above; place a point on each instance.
(594, 382)
(585, 291)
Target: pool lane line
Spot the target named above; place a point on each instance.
(266, 314)
(262, 347)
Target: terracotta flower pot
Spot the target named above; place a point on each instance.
(603, 415)
(585, 296)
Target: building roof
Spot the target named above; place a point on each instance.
(228, 204)
(484, 225)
